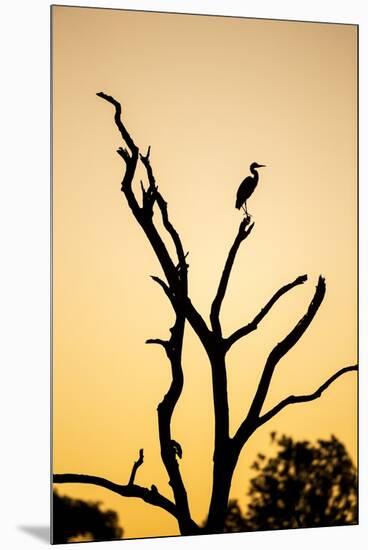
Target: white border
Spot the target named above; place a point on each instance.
(24, 252)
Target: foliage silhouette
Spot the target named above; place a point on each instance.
(78, 519)
(304, 485)
(150, 211)
(235, 522)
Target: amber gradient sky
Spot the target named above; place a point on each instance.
(210, 95)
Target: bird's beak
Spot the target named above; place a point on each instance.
(261, 165)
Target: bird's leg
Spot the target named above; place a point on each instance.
(246, 212)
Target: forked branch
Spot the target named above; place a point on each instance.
(281, 349)
(176, 290)
(243, 232)
(165, 288)
(136, 465)
(162, 204)
(165, 409)
(164, 343)
(253, 325)
(292, 399)
(142, 214)
(118, 121)
(130, 158)
(152, 496)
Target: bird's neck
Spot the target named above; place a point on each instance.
(255, 173)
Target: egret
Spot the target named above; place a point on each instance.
(247, 187)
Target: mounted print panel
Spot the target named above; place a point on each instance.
(204, 274)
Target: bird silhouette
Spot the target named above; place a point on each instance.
(247, 187)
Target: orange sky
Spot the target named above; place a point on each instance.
(210, 95)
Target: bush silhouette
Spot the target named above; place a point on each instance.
(305, 485)
(74, 518)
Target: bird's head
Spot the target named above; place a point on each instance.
(256, 165)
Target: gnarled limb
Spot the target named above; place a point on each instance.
(118, 121)
(176, 291)
(164, 287)
(136, 465)
(292, 399)
(250, 423)
(164, 343)
(142, 214)
(242, 234)
(152, 496)
(253, 325)
(149, 195)
(182, 266)
(162, 204)
(165, 409)
(130, 160)
(168, 266)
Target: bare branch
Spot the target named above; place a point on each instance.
(198, 324)
(165, 410)
(253, 325)
(292, 399)
(130, 161)
(148, 495)
(159, 247)
(149, 195)
(250, 423)
(165, 288)
(170, 270)
(162, 204)
(173, 233)
(120, 125)
(242, 234)
(195, 319)
(143, 191)
(176, 291)
(147, 164)
(164, 343)
(124, 154)
(136, 465)
(193, 316)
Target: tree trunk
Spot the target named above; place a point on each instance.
(224, 465)
(223, 457)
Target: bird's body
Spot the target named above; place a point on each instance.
(247, 187)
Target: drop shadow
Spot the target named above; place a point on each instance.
(41, 532)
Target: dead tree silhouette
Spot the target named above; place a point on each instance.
(216, 345)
